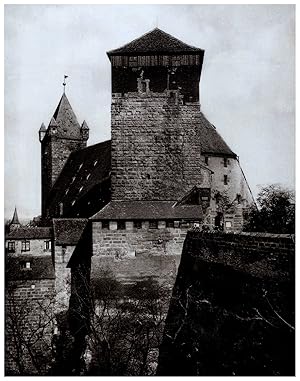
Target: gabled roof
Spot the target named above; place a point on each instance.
(65, 120)
(155, 41)
(148, 210)
(67, 231)
(29, 233)
(83, 170)
(211, 141)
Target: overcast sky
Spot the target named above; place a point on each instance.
(247, 85)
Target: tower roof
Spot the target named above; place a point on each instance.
(155, 41)
(43, 128)
(15, 219)
(65, 118)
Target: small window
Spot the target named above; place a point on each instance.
(95, 162)
(225, 161)
(88, 176)
(61, 209)
(105, 224)
(204, 198)
(170, 224)
(73, 179)
(11, 247)
(25, 246)
(148, 176)
(153, 224)
(137, 224)
(217, 198)
(206, 160)
(225, 180)
(239, 198)
(121, 225)
(80, 166)
(47, 245)
(228, 224)
(73, 202)
(80, 189)
(25, 265)
(67, 191)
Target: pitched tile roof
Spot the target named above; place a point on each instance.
(30, 233)
(147, 210)
(41, 267)
(155, 41)
(83, 170)
(65, 120)
(67, 231)
(211, 141)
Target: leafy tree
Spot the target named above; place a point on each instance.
(275, 212)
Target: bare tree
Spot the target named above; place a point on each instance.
(125, 325)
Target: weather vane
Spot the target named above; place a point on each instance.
(64, 83)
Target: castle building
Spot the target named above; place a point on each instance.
(124, 206)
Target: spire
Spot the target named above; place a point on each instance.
(42, 132)
(42, 128)
(15, 223)
(52, 122)
(65, 120)
(85, 130)
(84, 126)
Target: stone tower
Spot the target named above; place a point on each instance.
(63, 136)
(156, 150)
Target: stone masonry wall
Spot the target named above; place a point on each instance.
(29, 316)
(156, 154)
(62, 276)
(233, 307)
(134, 254)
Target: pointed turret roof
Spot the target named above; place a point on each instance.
(15, 219)
(155, 41)
(43, 128)
(84, 126)
(65, 119)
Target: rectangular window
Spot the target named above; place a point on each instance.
(206, 160)
(25, 246)
(25, 265)
(170, 224)
(11, 247)
(121, 225)
(225, 180)
(153, 224)
(47, 245)
(105, 224)
(225, 161)
(137, 224)
(228, 224)
(239, 198)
